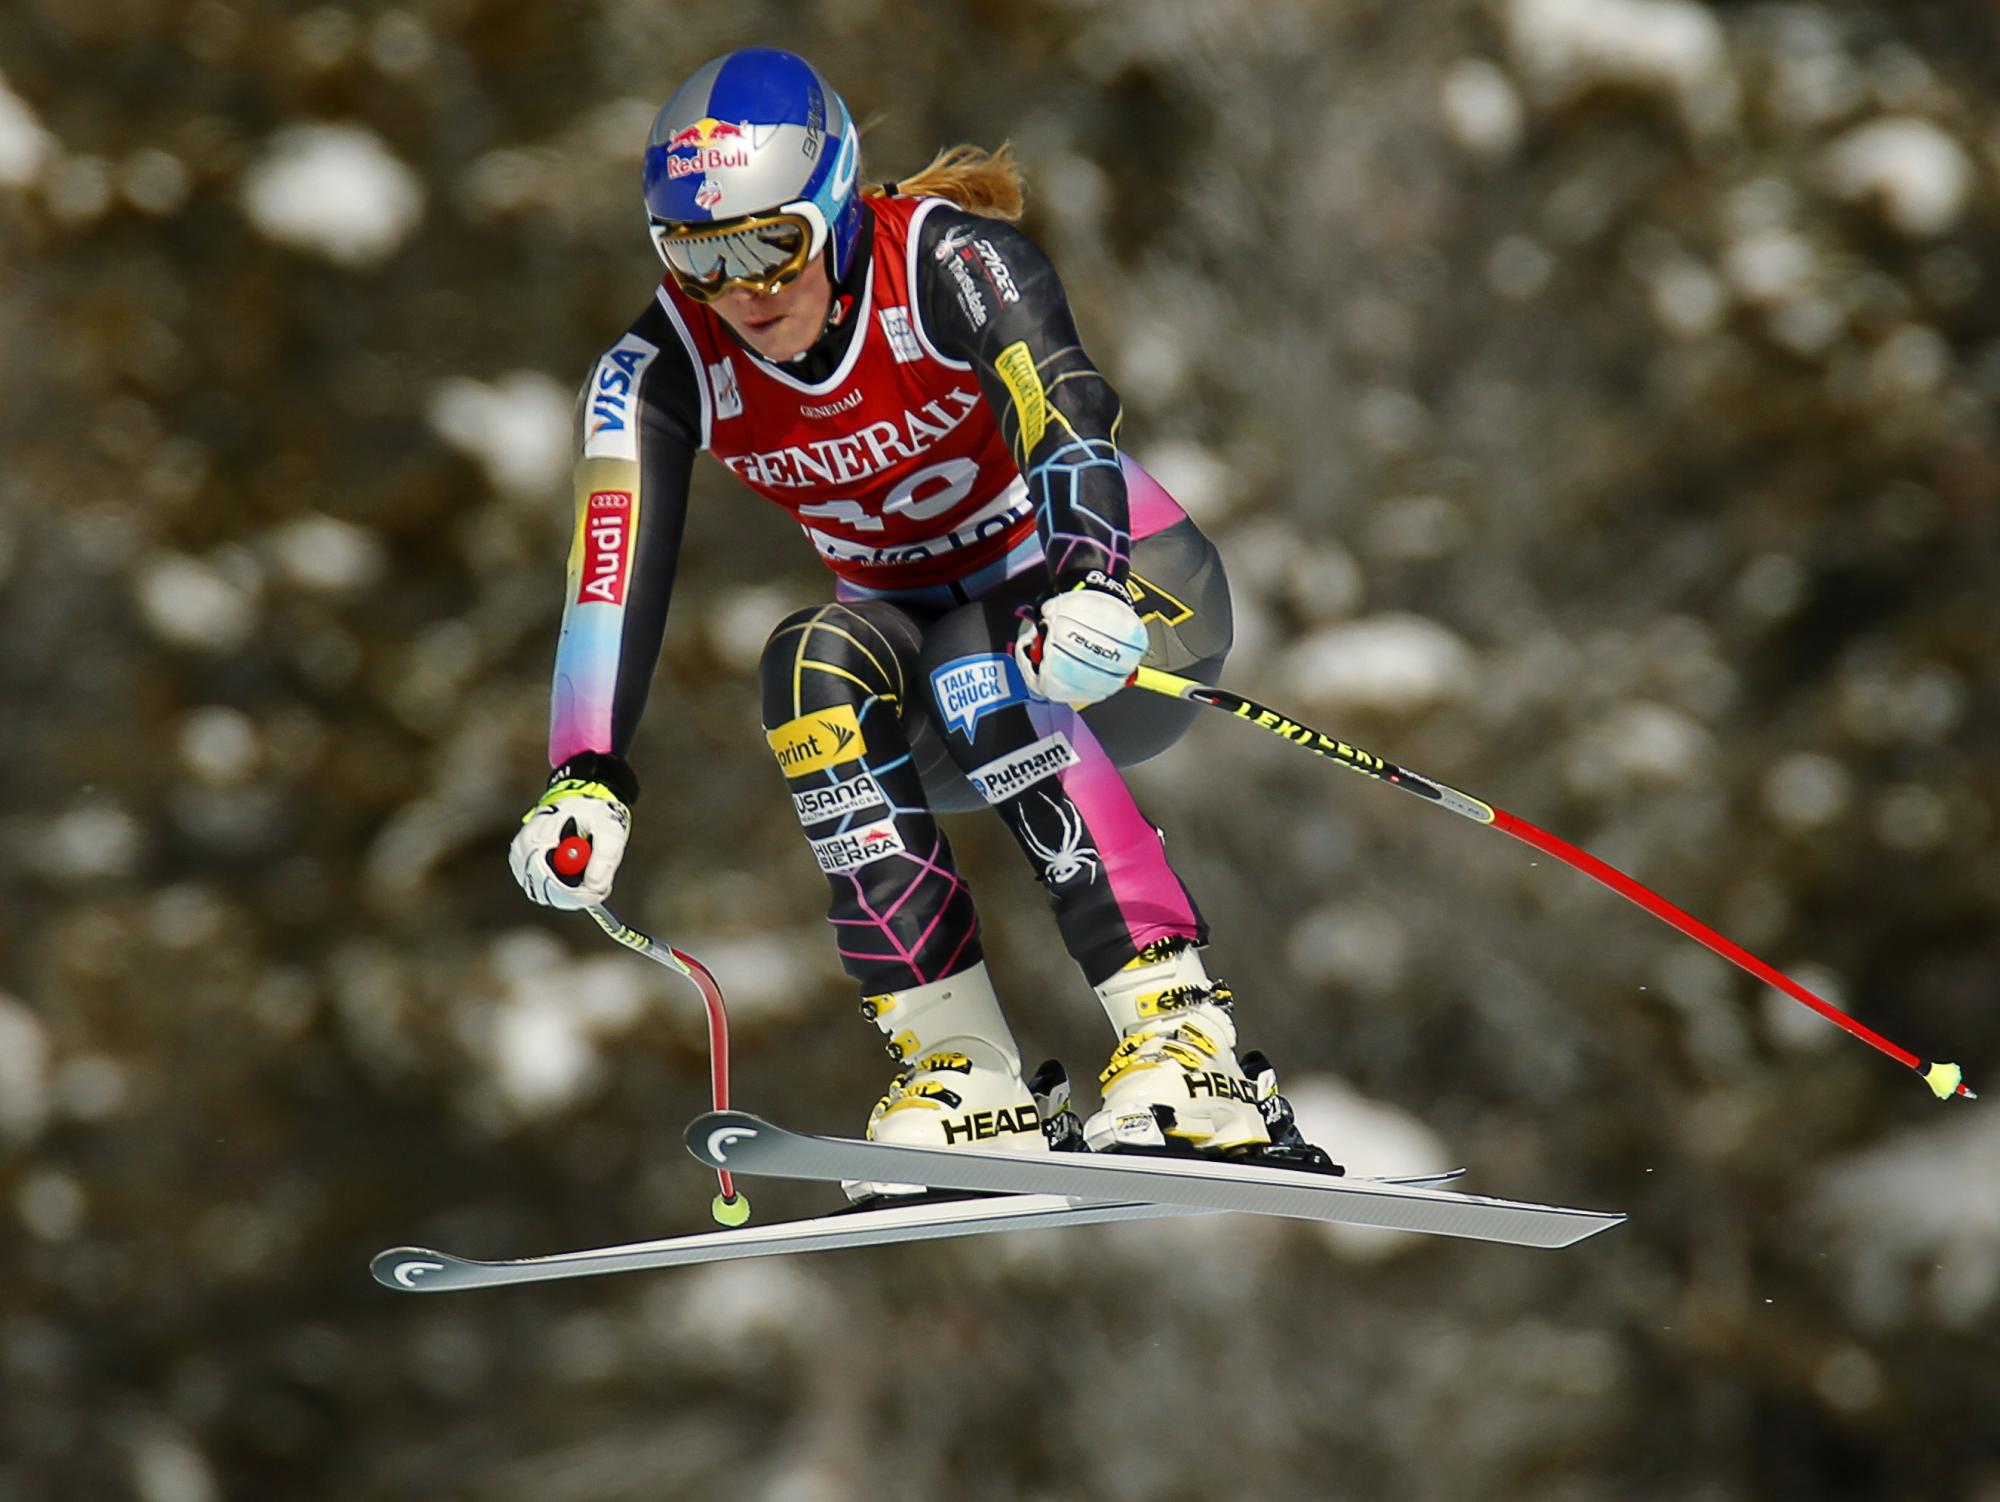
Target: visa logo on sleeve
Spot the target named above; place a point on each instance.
(970, 688)
(611, 421)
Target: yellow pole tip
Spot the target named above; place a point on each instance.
(730, 1212)
(1944, 1080)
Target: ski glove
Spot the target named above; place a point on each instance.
(574, 805)
(1084, 644)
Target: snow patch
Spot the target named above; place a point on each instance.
(90, 1087)
(24, 145)
(335, 191)
(97, 839)
(24, 1067)
(739, 620)
(1912, 817)
(1884, 701)
(1807, 791)
(1413, 529)
(1640, 744)
(1193, 476)
(51, 1204)
(1911, 363)
(1919, 177)
(518, 429)
(1687, 298)
(77, 189)
(1770, 266)
(326, 555)
(1670, 47)
(1481, 109)
(1918, 1217)
(541, 1041)
(731, 1308)
(1351, 945)
(1398, 664)
(218, 744)
(155, 181)
(191, 603)
(767, 979)
(167, 1467)
(1153, 363)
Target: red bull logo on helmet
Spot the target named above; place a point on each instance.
(708, 131)
(711, 144)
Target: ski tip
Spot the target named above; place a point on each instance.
(1947, 1080)
(404, 1268)
(710, 1135)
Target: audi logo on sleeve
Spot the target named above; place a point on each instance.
(607, 547)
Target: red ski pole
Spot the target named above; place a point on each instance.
(568, 861)
(1945, 1080)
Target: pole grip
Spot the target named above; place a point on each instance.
(569, 859)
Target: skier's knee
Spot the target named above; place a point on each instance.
(829, 654)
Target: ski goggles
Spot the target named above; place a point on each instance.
(761, 253)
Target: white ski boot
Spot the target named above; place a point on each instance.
(960, 1084)
(1174, 1082)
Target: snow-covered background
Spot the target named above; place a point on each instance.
(1594, 401)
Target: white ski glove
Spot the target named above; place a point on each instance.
(1085, 644)
(572, 806)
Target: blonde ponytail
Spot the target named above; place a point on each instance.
(977, 180)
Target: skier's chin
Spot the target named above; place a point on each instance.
(782, 325)
(781, 339)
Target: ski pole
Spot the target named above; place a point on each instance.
(1944, 1079)
(568, 859)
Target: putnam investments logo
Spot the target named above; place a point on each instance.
(1000, 780)
(813, 742)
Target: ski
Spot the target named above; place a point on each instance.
(413, 1269)
(744, 1143)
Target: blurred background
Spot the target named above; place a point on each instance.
(1594, 402)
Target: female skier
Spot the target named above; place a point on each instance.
(897, 367)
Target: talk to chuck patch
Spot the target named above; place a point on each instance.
(968, 689)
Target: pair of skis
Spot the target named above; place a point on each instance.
(1018, 1192)
(1080, 1188)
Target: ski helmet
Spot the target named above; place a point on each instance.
(752, 169)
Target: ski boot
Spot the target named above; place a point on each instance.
(959, 1084)
(1174, 1082)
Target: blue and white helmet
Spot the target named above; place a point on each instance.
(757, 131)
